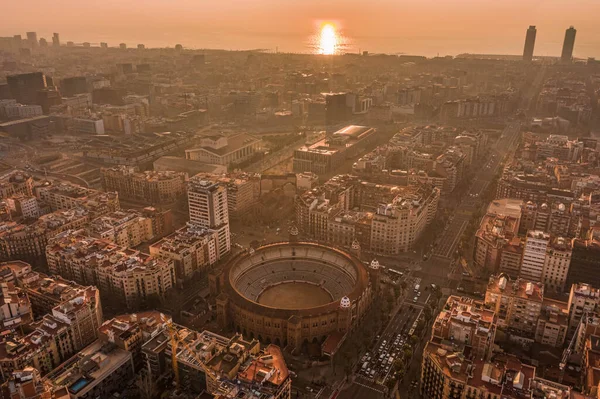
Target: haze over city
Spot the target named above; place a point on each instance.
(430, 27)
(300, 199)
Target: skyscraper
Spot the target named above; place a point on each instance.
(32, 39)
(568, 45)
(209, 208)
(529, 43)
(55, 40)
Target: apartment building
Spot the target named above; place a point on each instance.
(495, 233)
(149, 187)
(121, 274)
(47, 293)
(129, 228)
(466, 322)
(389, 219)
(236, 365)
(192, 248)
(397, 226)
(62, 196)
(556, 265)
(97, 371)
(449, 373)
(130, 331)
(28, 384)
(16, 183)
(534, 255)
(583, 301)
(209, 208)
(553, 324)
(243, 189)
(517, 304)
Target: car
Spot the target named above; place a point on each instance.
(415, 300)
(419, 293)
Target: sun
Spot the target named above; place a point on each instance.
(328, 41)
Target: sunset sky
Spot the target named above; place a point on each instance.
(413, 26)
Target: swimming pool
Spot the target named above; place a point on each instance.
(79, 384)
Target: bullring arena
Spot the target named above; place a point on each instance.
(293, 293)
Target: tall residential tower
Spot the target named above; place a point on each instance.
(208, 208)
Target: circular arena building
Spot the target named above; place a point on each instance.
(292, 293)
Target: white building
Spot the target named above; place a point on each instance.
(20, 111)
(209, 208)
(534, 255)
(583, 299)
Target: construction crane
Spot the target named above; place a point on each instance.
(567, 352)
(176, 340)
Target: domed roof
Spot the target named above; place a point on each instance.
(374, 264)
(355, 245)
(345, 303)
(251, 251)
(294, 230)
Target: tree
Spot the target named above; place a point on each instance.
(427, 312)
(398, 365)
(146, 386)
(414, 340)
(407, 353)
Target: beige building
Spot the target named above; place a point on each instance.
(68, 319)
(225, 150)
(243, 189)
(148, 187)
(397, 226)
(237, 367)
(124, 228)
(28, 384)
(449, 373)
(494, 234)
(518, 303)
(62, 196)
(466, 322)
(97, 371)
(385, 219)
(16, 183)
(192, 248)
(583, 300)
(553, 324)
(556, 265)
(120, 273)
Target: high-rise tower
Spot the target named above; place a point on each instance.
(529, 43)
(568, 45)
(208, 208)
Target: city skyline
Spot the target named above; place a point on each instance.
(482, 27)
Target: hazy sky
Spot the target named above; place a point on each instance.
(412, 26)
